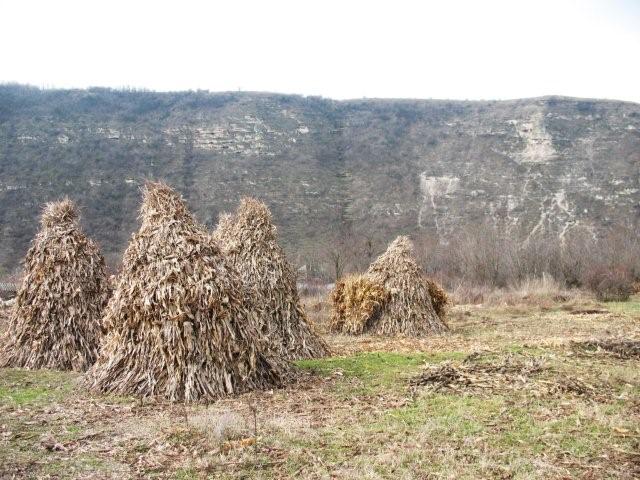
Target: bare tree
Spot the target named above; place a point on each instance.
(339, 251)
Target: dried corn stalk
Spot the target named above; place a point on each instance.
(248, 238)
(178, 327)
(409, 309)
(357, 301)
(55, 321)
(439, 298)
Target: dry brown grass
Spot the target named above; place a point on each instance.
(544, 292)
(356, 415)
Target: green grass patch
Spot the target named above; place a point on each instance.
(447, 415)
(29, 387)
(376, 369)
(630, 307)
(186, 474)
(81, 465)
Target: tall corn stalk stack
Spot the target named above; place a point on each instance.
(409, 309)
(55, 320)
(249, 239)
(178, 327)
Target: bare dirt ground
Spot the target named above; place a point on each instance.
(511, 392)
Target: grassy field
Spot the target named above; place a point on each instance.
(511, 392)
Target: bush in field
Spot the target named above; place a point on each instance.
(610, 284)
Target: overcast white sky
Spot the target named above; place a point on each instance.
(458, 49)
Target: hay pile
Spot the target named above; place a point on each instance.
(55, 321)
(249, 240)
(393, 296)
(357, 302)
(506, 375)
(177, 324)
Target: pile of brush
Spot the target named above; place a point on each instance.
(248, 239)
(179, 326)
(55, 319)
(623, 348)
(392, 297)
(509, 372)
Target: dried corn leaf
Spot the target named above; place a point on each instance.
(356, 303)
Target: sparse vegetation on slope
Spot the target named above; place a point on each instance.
(370, 169)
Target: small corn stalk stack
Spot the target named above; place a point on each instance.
(392, 297)
(249, 240)
(177, 323)
(55, 320)
(410, 309)
(357, 303)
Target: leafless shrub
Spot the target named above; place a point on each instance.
(610, 284)
(477, 260)
(543, 292)
(314, 288)
(467, 294)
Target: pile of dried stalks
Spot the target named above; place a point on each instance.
(508, 373)
(409, 309)
(620, 348)
(178, 327)
(248, 239)
(357, 302)
(393, 296)
(55, 321)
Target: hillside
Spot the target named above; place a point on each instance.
(377, 167)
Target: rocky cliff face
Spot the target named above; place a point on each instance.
(530, 166)
(380, 166)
